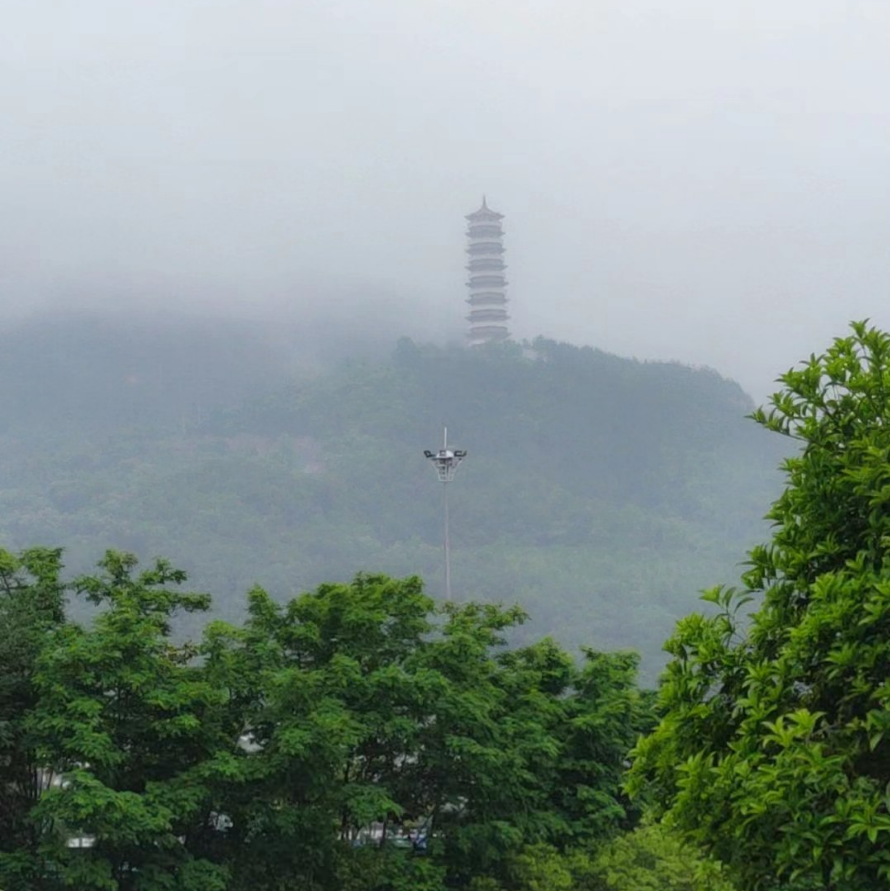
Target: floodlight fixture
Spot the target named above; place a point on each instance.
(446, 462)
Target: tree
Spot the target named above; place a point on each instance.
(356, 738)
(31, 606)
(487, 749)
(130, 723)
(331, 700)
(366, 706)
(650, 859)
(774, 746)
(605, 715)
(362, 711)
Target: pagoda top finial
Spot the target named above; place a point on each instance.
(484, 213)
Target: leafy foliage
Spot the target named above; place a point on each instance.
(774, 748)
(354, 737)
(31, 606)
(129, 724)
(650, 858)
(653, 859)
(365, 710)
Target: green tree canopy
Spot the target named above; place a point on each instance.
(357, 738)
(31, 606)
(650, 858)
(653, 859)
(774, 745)
(366, 707)
(128, 723)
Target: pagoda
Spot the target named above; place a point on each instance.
(487, 285)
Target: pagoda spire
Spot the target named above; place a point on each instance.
(487, 286)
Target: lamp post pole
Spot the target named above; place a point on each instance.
(446, 461)
(447, 549)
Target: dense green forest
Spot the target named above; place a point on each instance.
(600, 493)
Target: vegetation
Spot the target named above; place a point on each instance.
(362, 737)
(31, 606)
(653, 859)
(355, 737)
(773, 746)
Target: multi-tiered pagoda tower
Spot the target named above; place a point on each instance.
(488, 287)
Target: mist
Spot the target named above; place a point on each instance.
(695, 181)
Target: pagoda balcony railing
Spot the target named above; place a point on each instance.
(487, 281)
(487, 297)
(482, 264)
(485, 230)
(480, 318)
(485, 247)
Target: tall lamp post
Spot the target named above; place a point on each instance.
(446, 461)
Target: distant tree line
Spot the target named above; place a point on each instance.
(601, 492)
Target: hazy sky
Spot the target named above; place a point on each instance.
(692, 179)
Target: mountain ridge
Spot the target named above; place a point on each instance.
(601, 493)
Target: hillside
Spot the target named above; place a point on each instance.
(601, 493)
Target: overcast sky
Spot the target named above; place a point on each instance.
(704, 180)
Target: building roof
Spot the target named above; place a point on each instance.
(484, 213)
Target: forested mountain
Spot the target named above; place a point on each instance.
(600, 493)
